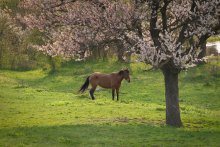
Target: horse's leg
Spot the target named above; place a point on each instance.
(117, 92)
(113, 94)
(92, 90)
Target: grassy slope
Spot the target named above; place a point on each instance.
(213, 39)
(37, 109)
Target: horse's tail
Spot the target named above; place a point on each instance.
(85, 85)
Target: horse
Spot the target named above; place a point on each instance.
(109, 81)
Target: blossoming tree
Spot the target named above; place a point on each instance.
(177, 30)
(73, 27)
(168, 34)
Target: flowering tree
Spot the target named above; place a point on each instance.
(168, 34)
(177, 30)
(73, 27)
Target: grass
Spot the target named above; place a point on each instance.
(213, 39)
(38, 109)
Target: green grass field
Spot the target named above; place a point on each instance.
(38, 109)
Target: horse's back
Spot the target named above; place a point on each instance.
(101, 79)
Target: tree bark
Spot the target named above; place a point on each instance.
(202, 44)
(120, 53)
(52, 64)
(120, 50)
(172, 98)
(203, 50)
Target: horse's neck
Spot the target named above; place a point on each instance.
(120, 78)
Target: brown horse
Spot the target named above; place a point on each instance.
(110, 81)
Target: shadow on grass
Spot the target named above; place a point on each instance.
(107, 135)
(82, 96)
(71, 75)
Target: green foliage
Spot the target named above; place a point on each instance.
(35, 37)
(55, 63)
(15, 52)
(8, 44)
(39, 109)
(11, 4)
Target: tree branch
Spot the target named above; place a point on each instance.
(153, 23)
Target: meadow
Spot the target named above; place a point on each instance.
(42, 109)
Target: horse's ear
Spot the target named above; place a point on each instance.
(126, 69)
(120, 72)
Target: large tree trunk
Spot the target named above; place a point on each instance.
(172, 95)
(120, 50)
(203, 50)
(203, 46)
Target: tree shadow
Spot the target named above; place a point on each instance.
(107, 135)
(66, 80)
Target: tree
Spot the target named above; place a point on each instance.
(10, 36)
(177, 31)
(15, 51)
(74, 27)
(168, 34)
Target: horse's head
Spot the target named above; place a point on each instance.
(125, 74)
